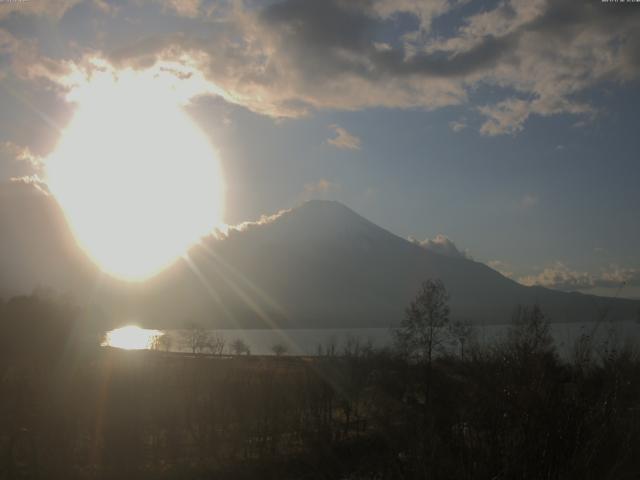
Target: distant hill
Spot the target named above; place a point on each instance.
(316, 265)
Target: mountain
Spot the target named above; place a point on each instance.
(324, 265)
(317, 265)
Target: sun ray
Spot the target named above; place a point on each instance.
(208, 287)
(234, 271)
(246, 297)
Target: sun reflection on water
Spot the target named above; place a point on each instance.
(132, 337)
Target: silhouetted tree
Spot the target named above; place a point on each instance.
(355, 347)
(513, 409)
(422, 331)
(239, 347)
(328, 350)
(530, 333)
(196, 338)
(279, 349)
(217, 344)
(461, 333)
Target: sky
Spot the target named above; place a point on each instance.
(504, 131)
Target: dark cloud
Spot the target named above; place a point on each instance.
(485, 55)
(286, 58)
(335, 37)
(321, 26)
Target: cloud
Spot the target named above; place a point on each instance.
(229, 230)
(343, 139)
(501, 267)
(560, 277)
(440, 244)
(19, 162)
(289, 58)
(322, 188)
(617, 276)
(22, 186)
(9, 48)
(457, 125)
(20, 154)
(33, 181)
(51, 8)
(185, 8)
(507, 116)
(425, 11)
(22, 57)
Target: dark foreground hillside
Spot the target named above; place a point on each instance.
(511, 411)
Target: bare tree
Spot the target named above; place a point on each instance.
(530, 333)
(461, 332)
(422, 331)
(196, 338)
(239, 347)
(329, 350)
(356, 347)
(217, 344)
(279, 349)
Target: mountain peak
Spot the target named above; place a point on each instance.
(319, 206)
(325, 219)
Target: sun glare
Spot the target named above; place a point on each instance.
(138, 181)
(132, 338)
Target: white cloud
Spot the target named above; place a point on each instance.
(501, 267)
(344, 139)
(20, 154)
(560, 277)
(507, 116)
(33, 181)
(510, 115)
(440, 244)
(229, 230)
(457, 125)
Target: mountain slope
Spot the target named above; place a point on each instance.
(322, 265)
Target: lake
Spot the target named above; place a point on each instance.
(307, 341)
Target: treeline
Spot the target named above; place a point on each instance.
(509, 410)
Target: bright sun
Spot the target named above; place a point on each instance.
(138, 181)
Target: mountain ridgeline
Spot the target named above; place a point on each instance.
(317, 265)
(323, 265)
